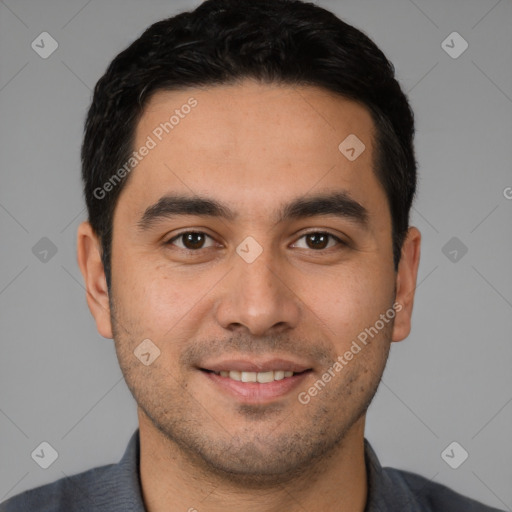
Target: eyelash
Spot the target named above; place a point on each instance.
(176, 237)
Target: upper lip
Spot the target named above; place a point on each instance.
(255, 365)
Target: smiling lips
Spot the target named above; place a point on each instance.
(256, 381)
(261, 377)
(255, 371)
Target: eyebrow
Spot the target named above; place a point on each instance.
(339, 204)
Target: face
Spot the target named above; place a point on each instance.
(275, 258)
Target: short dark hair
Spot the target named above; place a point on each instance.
(287, 42)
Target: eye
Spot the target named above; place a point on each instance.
(195, 240)
(191, 240)
(318, 240)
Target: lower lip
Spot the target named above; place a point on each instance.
(257, 391)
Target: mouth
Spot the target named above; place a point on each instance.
(261, 377)
(251, 382)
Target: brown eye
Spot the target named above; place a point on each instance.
(190, 240)
(319, 240)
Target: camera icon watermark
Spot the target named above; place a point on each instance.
(44, 455)
(454, 455)
(351, 147)
(454, 45)
(44, 250)
(454, 249)
(147, 352)
(249, 249)
(44, 45)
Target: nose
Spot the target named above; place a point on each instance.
(258, 297)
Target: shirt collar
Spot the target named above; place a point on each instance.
(385, 493)
(128, 489)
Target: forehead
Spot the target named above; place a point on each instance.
(252, 144)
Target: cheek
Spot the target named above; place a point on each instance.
(165, 305)
(169, 305)
(350, 301)
(147, 299)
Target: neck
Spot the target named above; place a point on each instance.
(173, 479)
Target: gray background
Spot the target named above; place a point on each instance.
(451, 380)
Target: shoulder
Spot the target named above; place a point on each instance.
(109, 488)
(76, 493)
(431, 496)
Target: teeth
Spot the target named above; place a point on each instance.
(249, 376)
(265, 376)
(261, 377)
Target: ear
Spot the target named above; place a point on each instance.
(91, 266)
(406, 284)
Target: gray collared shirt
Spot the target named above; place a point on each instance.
(116, 488)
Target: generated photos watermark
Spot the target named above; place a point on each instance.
(304, 397)
(158, 133)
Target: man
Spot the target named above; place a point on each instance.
(248, 170)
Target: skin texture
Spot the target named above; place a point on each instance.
(253, 147)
